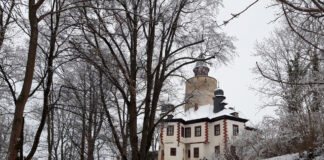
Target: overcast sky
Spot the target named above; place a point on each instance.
(237, 78)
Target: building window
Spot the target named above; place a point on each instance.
(196, 152)
(188, 153)
(197, 131)
(170, 131)
(188, 132)
(182, 132)
(173, 151)
(217, 150)
(235, 130)
(217, 130)
(233, 150)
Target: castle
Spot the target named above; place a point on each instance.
(204, 129)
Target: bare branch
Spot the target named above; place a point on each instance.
(281, 81)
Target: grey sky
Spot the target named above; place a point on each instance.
(236, 79)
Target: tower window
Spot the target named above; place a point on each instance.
(173, 151)
(235, 130)
(196, 152)
(187, 132)
(170, 131)
(217, 130)
(197, 131)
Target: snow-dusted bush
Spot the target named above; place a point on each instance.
(279, 136)
(292, 75)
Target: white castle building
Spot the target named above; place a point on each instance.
(204, 129)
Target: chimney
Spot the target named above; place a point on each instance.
(169, 116)
(196, 106)
(235, 114)
(219, 97)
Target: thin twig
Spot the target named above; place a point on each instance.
(237, 14)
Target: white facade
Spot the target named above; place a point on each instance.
(206, 142)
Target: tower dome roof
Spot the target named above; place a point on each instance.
(201, 68)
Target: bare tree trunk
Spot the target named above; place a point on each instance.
(91, 145)
(46, 92)
(83, 136)
(20, 102)
(90, 119)
(50, 134)
(21, 142)
(132, 110)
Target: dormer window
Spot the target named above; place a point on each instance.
(170, 130)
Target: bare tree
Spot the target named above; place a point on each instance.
(86, 94)
(288, 66)
(81, 101)
(21, 100)
(135, 46)
(300, 14)
(6, 13)
(305, 20)
(147, 42)
(51, 49)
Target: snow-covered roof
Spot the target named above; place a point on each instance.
(205, 111)
(218, 92)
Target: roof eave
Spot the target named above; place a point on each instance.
(206, 119)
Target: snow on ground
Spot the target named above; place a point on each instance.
(319, 157)
(285, 157)
(294, 156)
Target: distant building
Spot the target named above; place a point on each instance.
(205, 128)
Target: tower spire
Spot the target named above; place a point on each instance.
(201, 68)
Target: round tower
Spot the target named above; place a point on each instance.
(200, 89)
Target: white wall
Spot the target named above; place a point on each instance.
(179, 151)
(230, 124)
(215, 140)
(167, 138)
(193, 138)
(205, 149)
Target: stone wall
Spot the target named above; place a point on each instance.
(200, 91)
